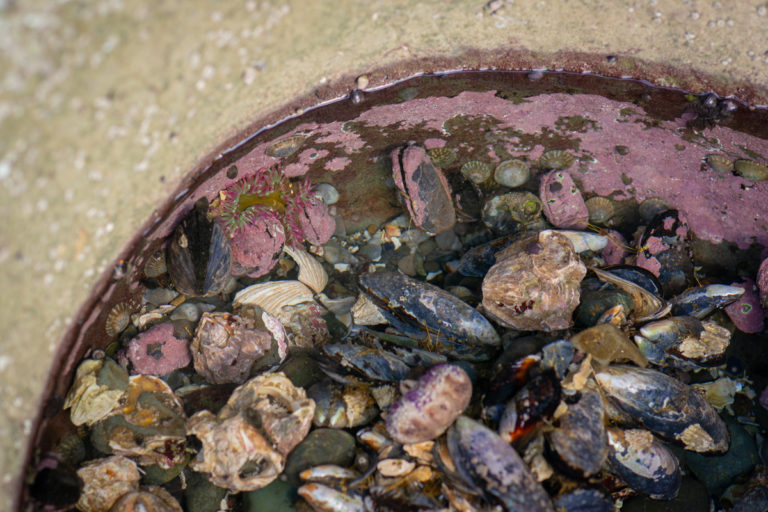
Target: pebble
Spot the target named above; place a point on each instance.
(278, 495)
(327, 193)
(160, 296)
(334, 253)
(448, 241)
(562, 202)
(371, 250)
(186, 311)
(321, 446)
(692, 497)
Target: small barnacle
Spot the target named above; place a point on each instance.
(476, 171)
(556, 159)
(719, 163)
(118, 318)
(285, 147)
(442, 157)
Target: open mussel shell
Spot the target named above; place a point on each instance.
(428, 309)
(643, 462)
(485, 459)
(684, 342)
(665, 406)
(532, 406)
(198, 256)
(646, 305)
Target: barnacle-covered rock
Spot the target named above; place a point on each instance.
(148, 499)
(226, 346)
(98, 388)
(148, 426)
(157, 351)
(562, 202)
(105, 481)
(482, 457)
(535, 283)
(579, 438)
(430, 406)
(643, 462)
(665, 406)
(424, 189)
(245, 445)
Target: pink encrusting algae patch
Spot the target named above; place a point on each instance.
(660, 162)
(338, 164)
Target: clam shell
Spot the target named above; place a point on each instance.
(272, 296)
(556, 159)
(719, 163)
(311, 271)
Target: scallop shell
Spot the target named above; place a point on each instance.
(118, 318)
(442, 157)
(719, 163)
(285, 147)
(155, 265)
(311, 271)
(600, 209)
(476, 171)
(272, 296)
(512, 173)
(750, 170)
(556, 159)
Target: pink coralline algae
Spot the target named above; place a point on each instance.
(157, 351)
(762, 283)
(262, 212)
(562, 202)
(746, 313)
(616, 249)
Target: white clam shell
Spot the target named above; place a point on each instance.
(272, 296)
(311, 272)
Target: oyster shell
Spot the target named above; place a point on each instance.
(535, 283)
(98, 388)
(105, 480)
(245, 445)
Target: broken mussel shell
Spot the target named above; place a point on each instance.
(198, 256)
(646, 305)
(665, 406)
(423, 189)
(671, 341)
(423, 310)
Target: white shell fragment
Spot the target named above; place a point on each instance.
(365, 312)
(311, 272)
(274, 295)
(89, 400)
(581, 240)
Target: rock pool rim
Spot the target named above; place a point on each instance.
(574, 73)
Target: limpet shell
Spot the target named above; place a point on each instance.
(155, 265)
(442, 157)
(274, 295)
(600, 209)
(651, 207)
(750, 170)
(285, 147)
(512, 173)
(476, 171)
(719, 163)
(118, 318)
(556, 159)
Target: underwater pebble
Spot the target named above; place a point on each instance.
(186, 311)
(562, 202)
(160, 296)
(157, 351)
(448, 241)
(746, 313)
(437, 398)
(321, 446)
(327, 193)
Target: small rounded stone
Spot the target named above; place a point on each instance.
(425, 411)
(512, 173)
(327, 193)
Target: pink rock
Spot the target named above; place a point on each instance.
(746, 313)
(157, 351)
(616, 249)
(257, 246)
(762, 283)
(562, 202)
(317, 225)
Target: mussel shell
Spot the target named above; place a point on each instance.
(533, 405)
(198, 256)
(482, 457)
(702, 300)
(644, 463)
(476, 261)
(583, 500)
(367, 363)
(638, 276)
(580, 440)
(665, 406)
(427, 308)
(645, 304)
(665, 333)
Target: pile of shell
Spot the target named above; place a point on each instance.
(362, 388)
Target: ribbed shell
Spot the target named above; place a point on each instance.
(719, 163)
(311, 271)
(272, 296)
(556, 159)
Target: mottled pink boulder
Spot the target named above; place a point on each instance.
(762, 283)
(257, 246)
(424, 189)
(616, 250)
(746, 313)
(157, 351)
(317, 225)
(562, 202)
